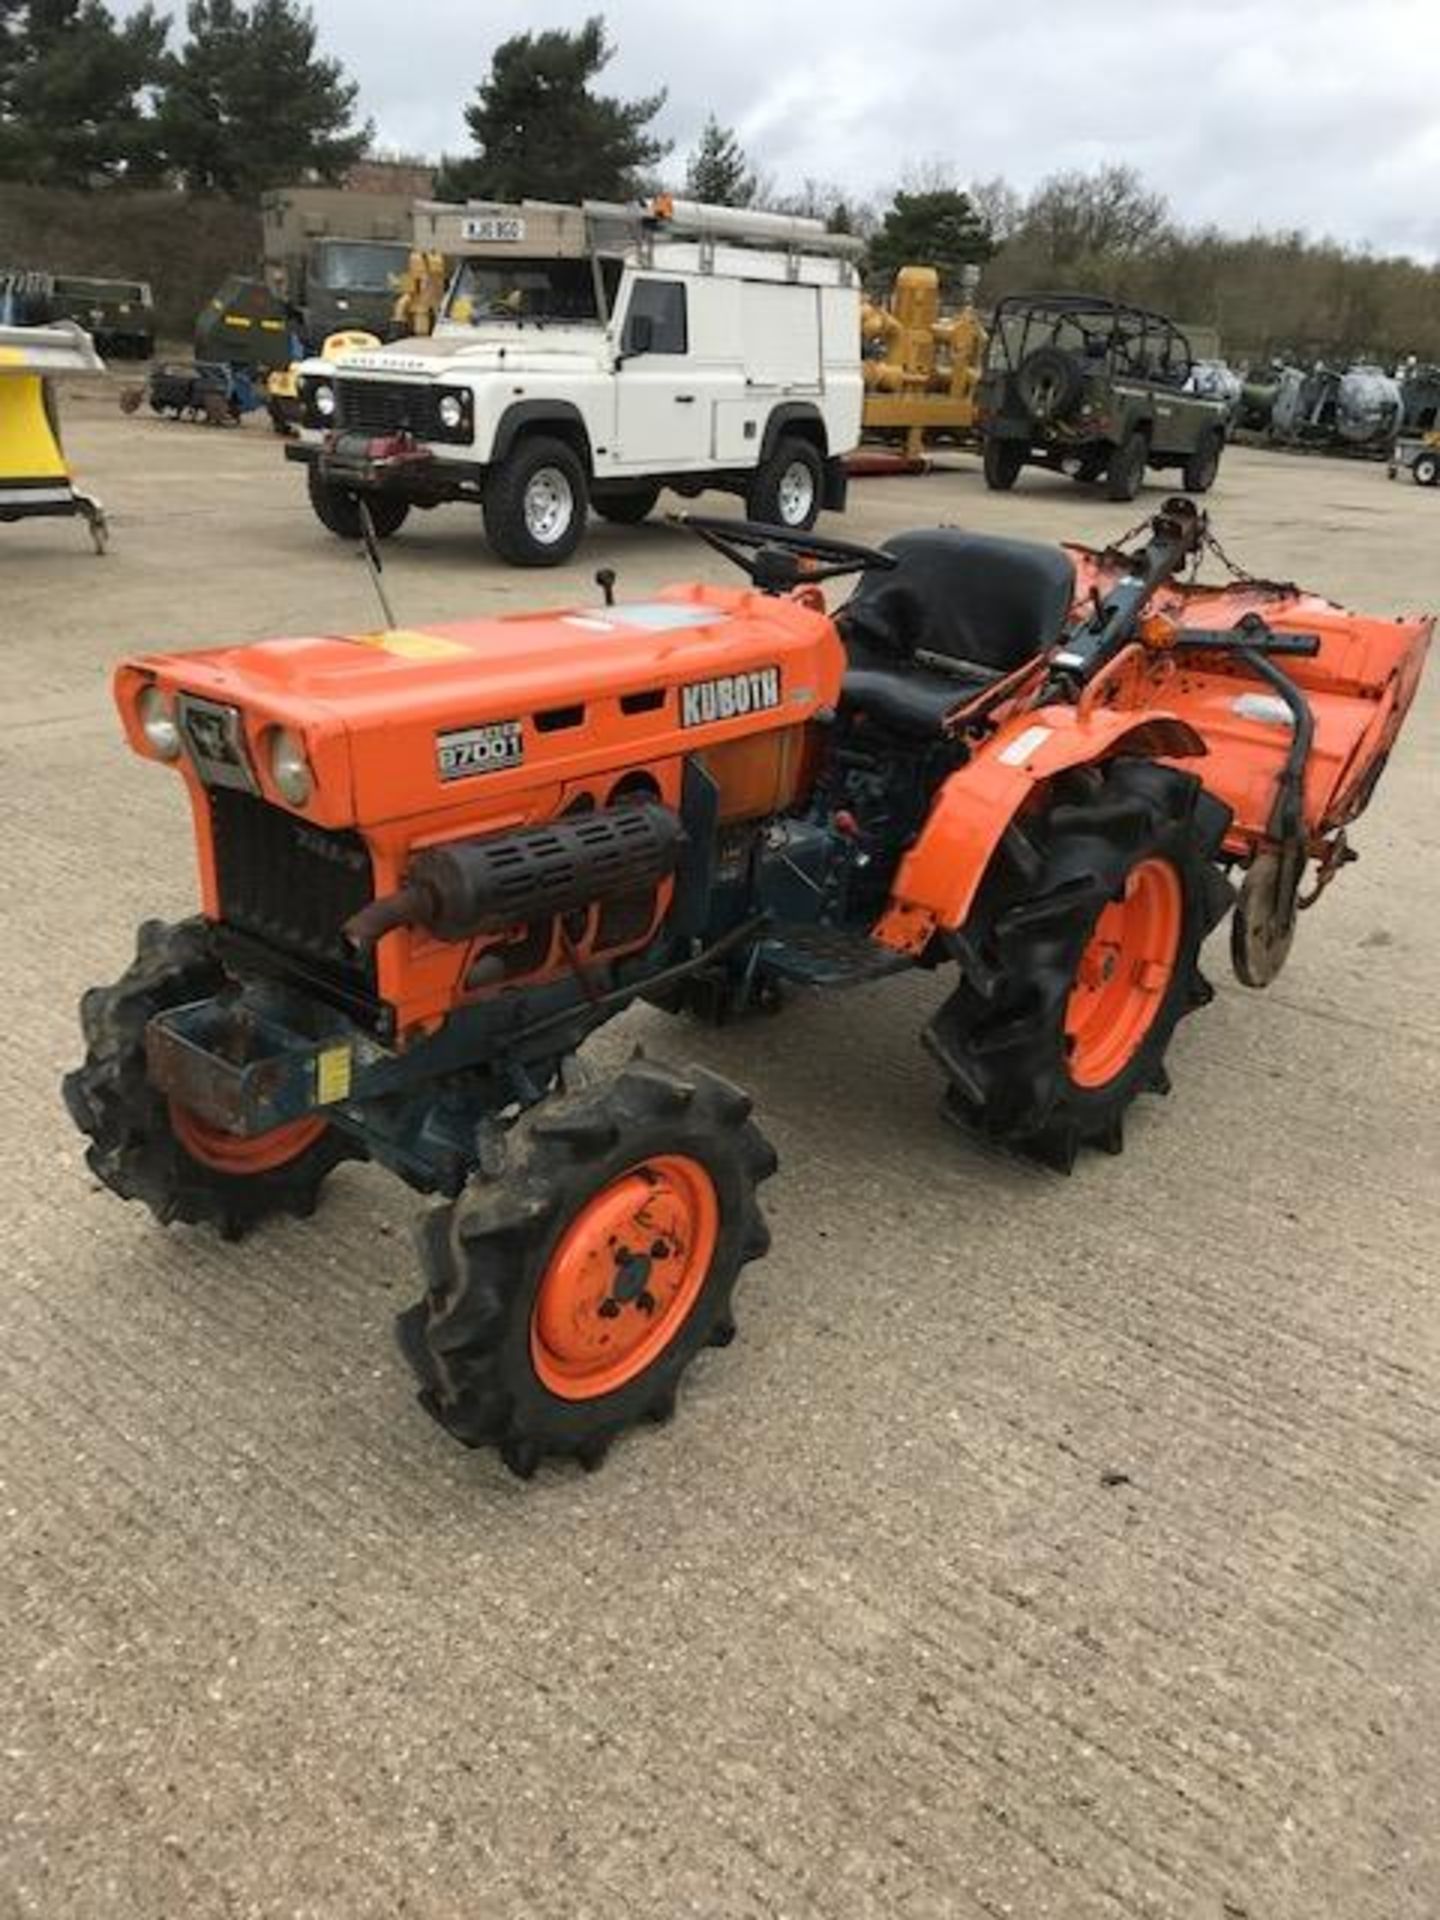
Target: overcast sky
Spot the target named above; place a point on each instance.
(1323, 114)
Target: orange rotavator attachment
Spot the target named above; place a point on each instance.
(1293, 702)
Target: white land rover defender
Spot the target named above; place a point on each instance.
(588, 356)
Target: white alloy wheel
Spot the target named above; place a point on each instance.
(796, 494)
(549, 505)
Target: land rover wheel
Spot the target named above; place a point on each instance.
(786, 489)
(628, 506)
(1426, 470)
(338, 509)
(1048, 382)
(1198, 474)
(1127, 468)
(1090, 467)
(535, 503)
(1002, 461)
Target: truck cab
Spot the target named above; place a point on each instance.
(587, 356)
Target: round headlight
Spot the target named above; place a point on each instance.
(289, 768)
(324, 398)
(157, 723)
(451, 411)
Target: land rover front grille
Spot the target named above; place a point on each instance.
(388, 406)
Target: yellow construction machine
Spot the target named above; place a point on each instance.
(920, 370)
(35, 477)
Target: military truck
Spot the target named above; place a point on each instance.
(1097, 389)
(334, 257)
(118, 315)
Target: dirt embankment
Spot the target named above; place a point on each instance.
(183, 244)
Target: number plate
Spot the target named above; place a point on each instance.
(495, 227)
(470, 750)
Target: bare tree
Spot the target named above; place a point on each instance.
(999, 206)
(1109, 215)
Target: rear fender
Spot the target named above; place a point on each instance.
(940, 876)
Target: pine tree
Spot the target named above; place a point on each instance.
(939, 229)
(71, 86)
(248, 103)
(541, 133)
(718, 172)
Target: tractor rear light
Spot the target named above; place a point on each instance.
(289, 768)
(158, 723)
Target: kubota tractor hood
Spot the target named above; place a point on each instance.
(404, 721)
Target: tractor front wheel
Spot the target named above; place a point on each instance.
(569, 1290)
(145, 1147)
(1083, 955)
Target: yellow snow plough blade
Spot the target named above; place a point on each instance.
(35, 480)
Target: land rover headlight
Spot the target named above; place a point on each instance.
(452, 411)
(157, 723)
(289, 768)
(322, 398)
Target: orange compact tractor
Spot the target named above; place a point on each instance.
(433, 860)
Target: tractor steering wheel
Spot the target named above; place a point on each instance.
(779, 559)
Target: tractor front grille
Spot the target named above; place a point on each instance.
(388, 406)
(293, 886)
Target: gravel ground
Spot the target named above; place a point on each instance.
(1040, 1548)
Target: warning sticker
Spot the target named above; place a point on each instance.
(332, 1076)
(408, 644)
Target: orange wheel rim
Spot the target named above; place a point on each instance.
(230, 1153)
(624, 1278)
(1124, 974)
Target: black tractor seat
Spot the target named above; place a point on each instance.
(984, 602)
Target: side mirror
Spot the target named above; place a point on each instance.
(639, 336)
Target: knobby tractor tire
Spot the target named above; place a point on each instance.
(568, 1292)
(1023, 1039)
(338, 509)
(135, 1148)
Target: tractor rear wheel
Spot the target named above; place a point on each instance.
(569, 1291)
(1084, 954)
(145, 1147)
